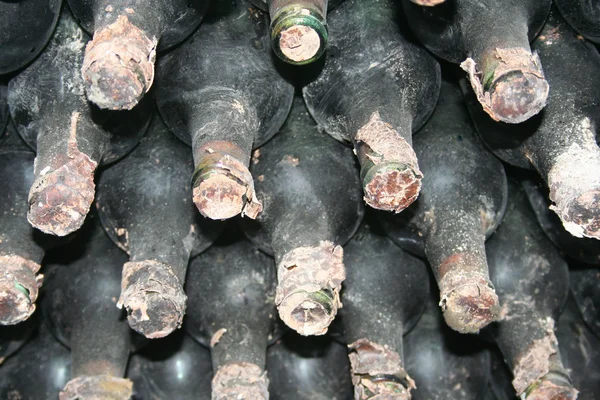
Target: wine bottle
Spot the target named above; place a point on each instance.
(175, 367)
(384, 295)
(230, 310)
(21, 247)
(144, 203)
(80, 308)
(532, 283)
(375, 90)
(561, 143)
(38, 371)
(312, 207)
(582, 15)
(444, 364)
(298, 28)
(580, 351)
(583, 249)
(118, 66)
(49, 108)
(462, 203)
(25, 28)
(490, 41)
(223, 109)
(585, 288)
(308, 368)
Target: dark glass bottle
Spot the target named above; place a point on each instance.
(224, 109)
(583, 15)
(561, 142)
(118, 66)
(72, 138)
(461, 205)
(144, 202)
(312, 207)
(490, 40)
(375, 90)
(532, 283)
(231, 289)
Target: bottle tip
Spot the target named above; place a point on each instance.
(307, 313)
(219, 196)
(517, 96)
(60, 199)
(582, 216)
(470, 307)
(241, 380)
(97, 387)
(299, 36)
(153, 297)
(548, 390)
(15, 303)
(391, 186)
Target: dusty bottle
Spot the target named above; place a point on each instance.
(583, 249)
(375, 90)
(461, 204)
(223, 109)
(38, 371)
(25, 28)
(144, 203)
(490, 40)
(231, 311)
(118, 66)
(580, 351)
(583, 15)
(561, 143)
(49, 107)
(298, 28)
(384, 295)
(312, 207)
(175, 367)
(444, 364)
(308, 368)
(21, 247)
(80, 308)
(585, 288)
(532, 283)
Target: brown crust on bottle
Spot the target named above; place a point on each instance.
(467, 298)
(60, 198)
(534, 363)
(227, 191)
(548, 390)
(391, 174)
(302, 273)
(369, 360)
(99, 387)
(244, 381)
(15, 305)
(299, 43)
(154, 298)
(518, 88)
(118, 67)
(428, 3)
(574, 183)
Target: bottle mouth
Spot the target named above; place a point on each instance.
(390, 186)
(309, 313)
(298, 35)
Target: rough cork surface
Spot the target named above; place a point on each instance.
(518, 89)
(548, 390)
(19, 287)
(574, 183)
(308, 293)
(60, 199)
(240, 381)
(118, 66)
(468, 299)
(153, 297)
(227, 191)
(393, 182)
(299, 43)
(100, 387)
(370, 361)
